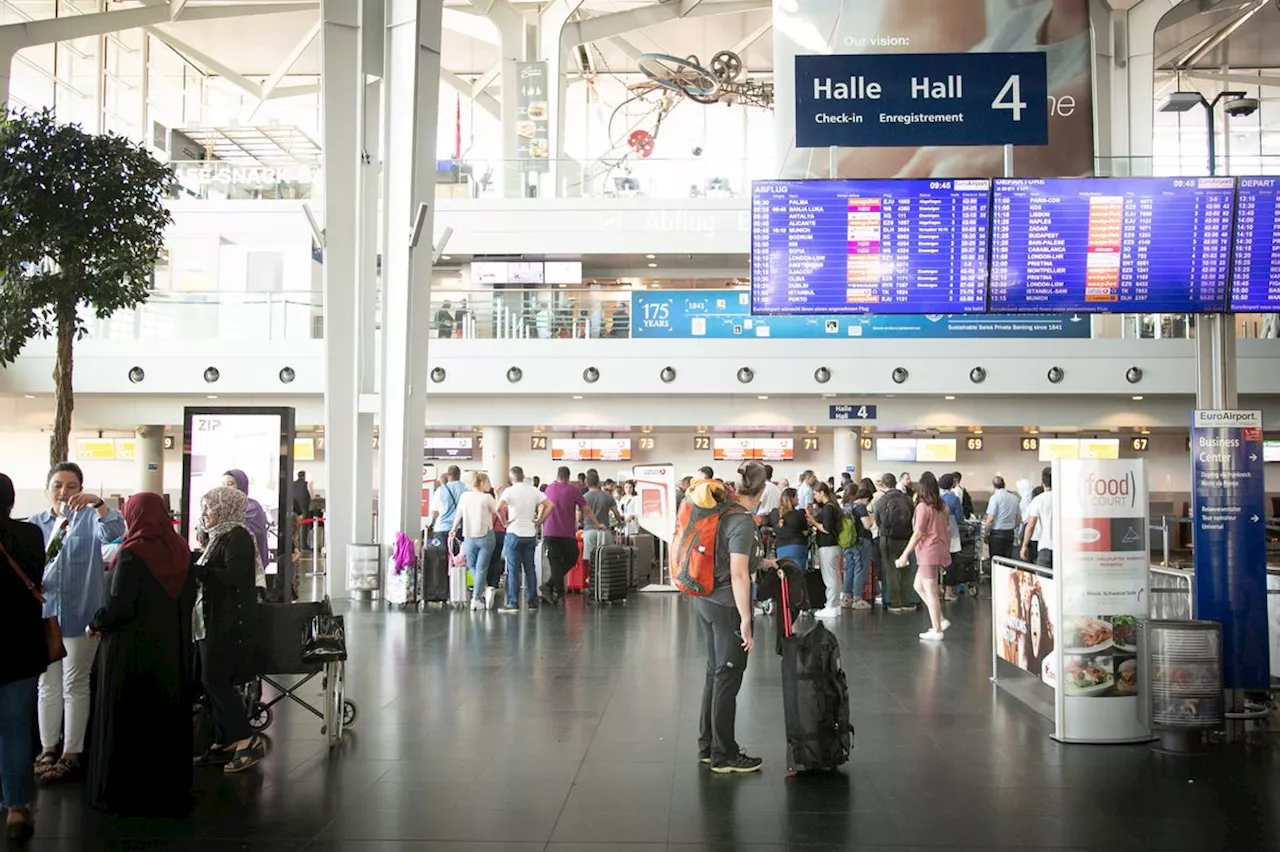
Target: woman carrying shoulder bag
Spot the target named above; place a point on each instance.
(24, 658)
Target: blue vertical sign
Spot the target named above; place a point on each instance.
(1229, 513)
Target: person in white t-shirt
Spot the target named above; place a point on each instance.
(476, 511)
(526, 507)
(1040, 520)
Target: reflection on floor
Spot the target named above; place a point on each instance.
(576, 730)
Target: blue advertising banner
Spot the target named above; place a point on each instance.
(1228, 529)
(685, 314)
(907, 100)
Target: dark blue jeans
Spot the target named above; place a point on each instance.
(521, 553)
(17, 717)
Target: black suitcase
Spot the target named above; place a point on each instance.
(434, 563)
(815, 698)
(611, 572)
(815, 587)
(497, 562)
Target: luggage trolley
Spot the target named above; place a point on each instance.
(280, 655)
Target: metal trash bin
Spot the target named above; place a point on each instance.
(364, 571)
(1182, 679)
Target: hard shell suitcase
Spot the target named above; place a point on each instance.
(576, 580)
(815, 699)
(611, 571)
(434, 569)
(642, 565)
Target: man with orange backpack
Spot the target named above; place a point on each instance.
(715, 552)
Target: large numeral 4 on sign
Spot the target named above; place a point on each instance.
(1010, 97)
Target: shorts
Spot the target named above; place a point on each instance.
(929, 572)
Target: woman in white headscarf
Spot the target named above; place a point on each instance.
(224, 623)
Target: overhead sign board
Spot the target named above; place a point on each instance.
(909, 100)
(1229, 540)
(851, 412)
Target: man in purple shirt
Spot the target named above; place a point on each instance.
(559, 533)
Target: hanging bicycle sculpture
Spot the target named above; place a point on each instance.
(718, 83)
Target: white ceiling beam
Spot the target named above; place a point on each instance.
(175, 8)
(482, 99)
(470, 24)
(1195, 55)
(50, 30)
(242, 10)
(752, 37)
(626, 47)
(487, 79)
(502, 13)
(588, 30)
(208, 63)
(1198, 40)
(275, 77)
(1235, 79)
(687, 6)
(297, 91)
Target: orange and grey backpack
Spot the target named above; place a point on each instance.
(697, 535)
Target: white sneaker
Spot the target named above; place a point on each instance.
(860, 604)
(490, 594)
(846, 602)
(476, 604)
(945, 624)
(932, 635)
(827, 612)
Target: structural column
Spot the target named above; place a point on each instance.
(844, 441)
(339, 96)
(150, 455)
(411, 98)
(497, 454)
(1124, 66)
(551, 21)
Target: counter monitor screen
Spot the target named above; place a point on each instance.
(1111, 245)
(869, 246)
(1255, 259)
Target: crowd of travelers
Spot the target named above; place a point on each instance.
(108, 656)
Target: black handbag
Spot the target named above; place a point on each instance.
(324, 639)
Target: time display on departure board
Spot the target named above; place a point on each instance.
(1255, 260)
(1111, 244)
(869, 246)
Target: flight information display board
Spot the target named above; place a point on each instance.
(1157, 245)
(1255, 258)
(869, 246)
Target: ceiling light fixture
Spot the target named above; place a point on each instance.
(1138, 398)
(577, 397)
(762, 396)
(29, 395)
(653, 266)
(948, 398)
(650, 256)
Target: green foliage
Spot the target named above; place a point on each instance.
(82, 221)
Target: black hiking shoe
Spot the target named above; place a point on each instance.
(739, 764)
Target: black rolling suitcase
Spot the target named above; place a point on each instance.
(815, 697)
(611, 572)
(433, 567)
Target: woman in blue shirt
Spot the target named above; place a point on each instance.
(75, 528)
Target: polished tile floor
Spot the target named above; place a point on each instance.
(576, 730)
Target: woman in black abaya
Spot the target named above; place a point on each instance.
(140, 764)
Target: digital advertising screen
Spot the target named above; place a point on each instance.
(731, 449)
(869, 246)
(570, 449)
(1255, 256)
(448, 448)
(1271, 450)
(896, 450)
(1099, 448)
(562, 272)
(1059, 448)
(258, 441)
(936, 450)
(1111, 245)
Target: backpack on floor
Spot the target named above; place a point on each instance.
(697, 535)
(815, 699)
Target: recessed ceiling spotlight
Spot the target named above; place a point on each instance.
(948, 398)
(577, 397)
(446, 257)
(1138, 398)
(211, 374)
(287, 375)
(29, 395)
(212, 396)
(650, 256)
(653, 266)
(762, 396)
(437, 374)
(136, 374)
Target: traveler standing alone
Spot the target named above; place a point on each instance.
(301, 498)
(1001, 519)
(559, 533)
(930, 540)
(1040, 523)
(75, 528)
(725, 616)
(826, 522)
(24, 658)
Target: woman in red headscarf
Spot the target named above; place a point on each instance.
(140, 762)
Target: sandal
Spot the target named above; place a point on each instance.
(247, 757)
(46, 761)
(66, 769)
(217, 754)
(19, 830)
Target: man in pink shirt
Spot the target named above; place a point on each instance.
(559, 533)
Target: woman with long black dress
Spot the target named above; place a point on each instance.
(144, 671)
(224, 625)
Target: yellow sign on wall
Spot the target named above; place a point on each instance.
(126, 449)
(95, 449)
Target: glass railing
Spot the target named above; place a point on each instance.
(215, 316)
(579, 314)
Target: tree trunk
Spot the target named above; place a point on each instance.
(64, 401)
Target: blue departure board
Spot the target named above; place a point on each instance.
(869, 246)
(1150, 245)
(1255, 258)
